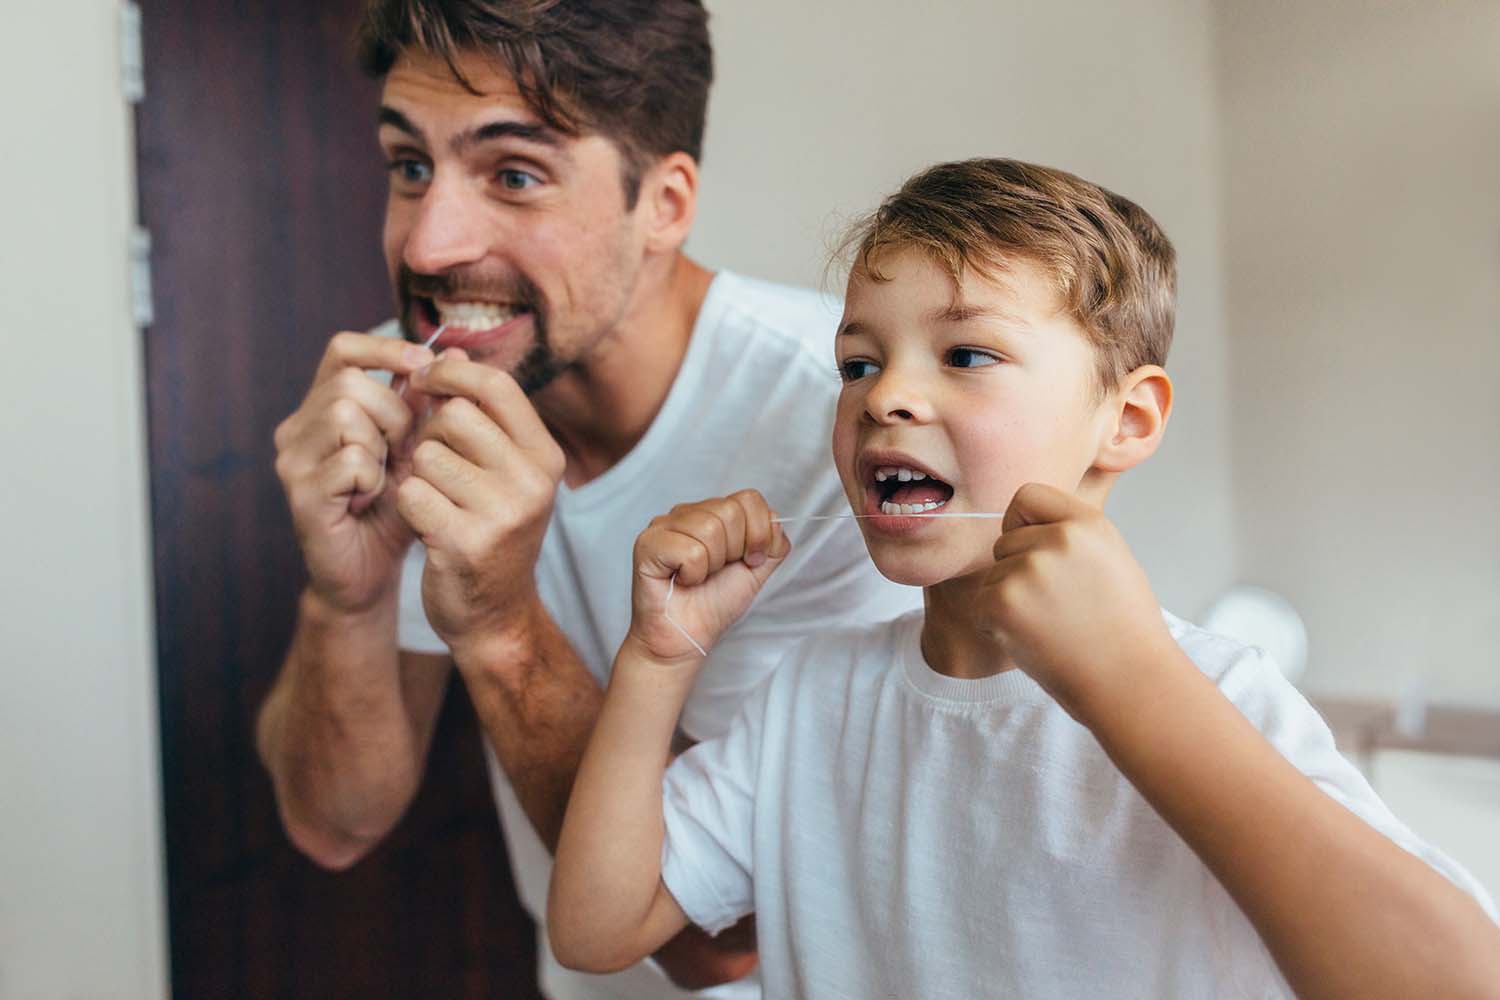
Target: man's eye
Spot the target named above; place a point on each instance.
(516, 180)
(409, 171)
(968, 357)
(855, 369)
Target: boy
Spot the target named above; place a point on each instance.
(1042, 785)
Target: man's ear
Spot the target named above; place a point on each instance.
(669, 199)
(1138, 414)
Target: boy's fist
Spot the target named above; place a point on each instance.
(721, 553)
(1067, 601)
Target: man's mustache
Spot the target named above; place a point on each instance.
(458, 287)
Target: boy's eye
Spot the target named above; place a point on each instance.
(969, 357)
(516, 180)
(855, 369)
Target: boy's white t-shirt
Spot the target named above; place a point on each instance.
(752, 406)
(901, 833)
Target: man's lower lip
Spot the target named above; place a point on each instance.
(478, 340)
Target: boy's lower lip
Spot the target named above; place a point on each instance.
(894, 525)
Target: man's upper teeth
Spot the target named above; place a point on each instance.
(898, 472)
(474, 315)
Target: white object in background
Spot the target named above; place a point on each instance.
(1262, 618)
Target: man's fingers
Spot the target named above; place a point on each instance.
(425, 510)
(370, 353)
(495, 392)
(465, 484)
(460, 424)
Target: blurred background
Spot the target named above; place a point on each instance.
(1327, 169)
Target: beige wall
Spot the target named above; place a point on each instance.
(823, 109)
(1363, 183)
(80, 863)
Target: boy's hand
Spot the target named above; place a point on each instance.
(721, 551)
(1067, 600)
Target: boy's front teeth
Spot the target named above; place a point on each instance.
(899, 473)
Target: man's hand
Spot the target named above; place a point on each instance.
(721, 552)
(1067, 600)
(331, 459)
(484, 474)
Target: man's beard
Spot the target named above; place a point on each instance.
(536, 368)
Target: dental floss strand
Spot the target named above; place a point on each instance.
(666, 607)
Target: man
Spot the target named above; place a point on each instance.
(543, 158)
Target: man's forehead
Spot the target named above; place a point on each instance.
(420, 79)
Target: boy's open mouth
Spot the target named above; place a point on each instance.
(902, 489)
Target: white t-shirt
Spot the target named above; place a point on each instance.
(901, 833)
(752, 406)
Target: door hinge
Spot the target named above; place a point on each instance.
(132, 55)
(142, 306)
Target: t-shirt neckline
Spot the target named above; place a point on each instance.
(1011, 687)
(605, 488)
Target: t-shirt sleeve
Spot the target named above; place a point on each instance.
(1255, 684)
(413, 632)
(708, 803)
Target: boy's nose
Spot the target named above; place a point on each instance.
(894, 399)
(447, 233)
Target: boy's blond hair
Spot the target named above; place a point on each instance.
(1114, 270)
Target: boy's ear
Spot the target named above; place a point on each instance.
(1141, 406)
(669, 199)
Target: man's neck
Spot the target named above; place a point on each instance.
(599, 410)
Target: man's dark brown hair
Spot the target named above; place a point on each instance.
(635, 71)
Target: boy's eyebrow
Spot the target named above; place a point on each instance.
(960, 312)
(853, 328)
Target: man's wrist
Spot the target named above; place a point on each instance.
(318, 612)
(506, 645)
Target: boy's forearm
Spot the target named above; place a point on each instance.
(607, 907)
(1343, 910)
(335, 735)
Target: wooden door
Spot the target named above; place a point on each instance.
(262, 187)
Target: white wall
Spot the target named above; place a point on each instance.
(823, 109)
(81, 912)
(1363, 173)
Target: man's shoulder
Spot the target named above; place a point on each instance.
(800, 319)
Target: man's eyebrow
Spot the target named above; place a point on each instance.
(510, 129)
(479, 134)
(388, 115)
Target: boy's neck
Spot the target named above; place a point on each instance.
(952, 643)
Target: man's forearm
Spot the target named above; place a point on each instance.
(335, 733)
(1342, 909)
(537, 702)
(539, 705)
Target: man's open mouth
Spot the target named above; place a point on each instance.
(902, 489)
(475, 317)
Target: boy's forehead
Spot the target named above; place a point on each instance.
(1009, 287)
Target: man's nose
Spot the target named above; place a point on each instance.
(897, 397)
(448, 232)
